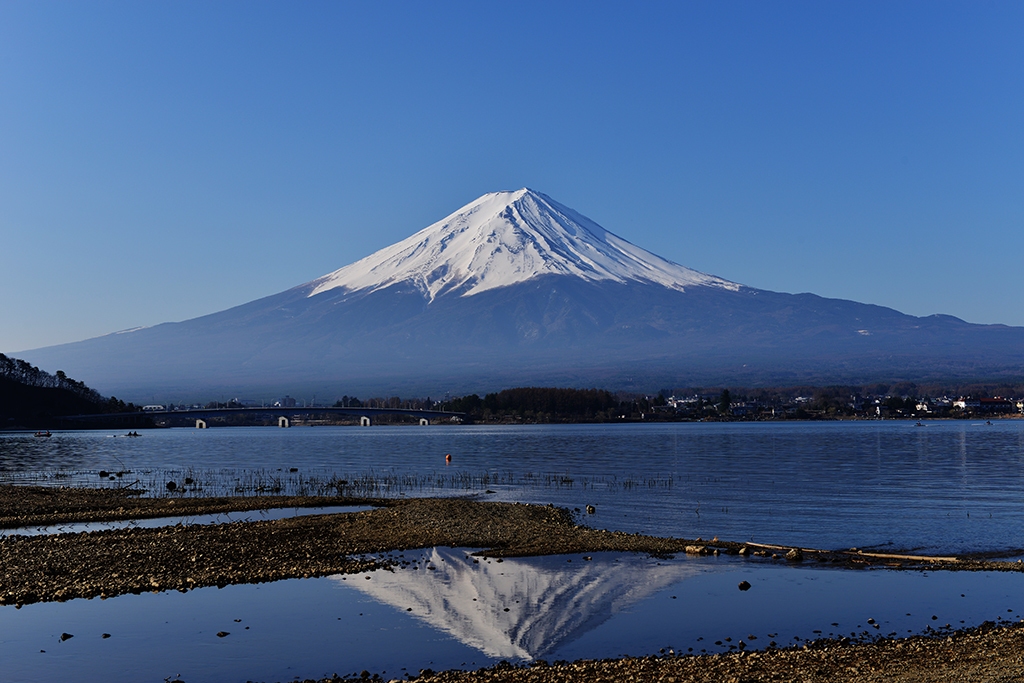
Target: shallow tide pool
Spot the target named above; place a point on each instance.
(446, 609)
(157, 522)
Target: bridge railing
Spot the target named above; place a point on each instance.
(201, 413)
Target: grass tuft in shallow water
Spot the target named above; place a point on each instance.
(199, 482)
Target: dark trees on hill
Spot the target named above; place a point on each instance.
(561, 403)
(22, 372)
(30, 396)
(23, 405)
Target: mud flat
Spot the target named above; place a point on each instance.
(112, 562)
(118, 561)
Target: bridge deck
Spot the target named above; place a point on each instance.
(271, 410)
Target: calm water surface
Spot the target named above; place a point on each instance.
(466, 615)
(946, 487)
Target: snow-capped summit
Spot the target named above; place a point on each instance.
(505, 238)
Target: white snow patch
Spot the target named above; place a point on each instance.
(504, 238)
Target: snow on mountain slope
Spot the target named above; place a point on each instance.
(504, 238)
(549, 603)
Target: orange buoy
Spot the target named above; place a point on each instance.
(448, 458)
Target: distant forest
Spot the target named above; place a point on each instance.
(30, 397)
(540, 403)
(537, 404)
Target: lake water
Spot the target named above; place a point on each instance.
(466, 615)
(267, 515)
(946, 487)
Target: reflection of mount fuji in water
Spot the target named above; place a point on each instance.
(549, 601)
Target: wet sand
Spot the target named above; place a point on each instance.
(112, 562)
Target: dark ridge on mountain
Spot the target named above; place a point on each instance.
(516, 289)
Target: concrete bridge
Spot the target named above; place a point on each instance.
(201, 415)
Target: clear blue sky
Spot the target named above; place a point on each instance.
(165, 160)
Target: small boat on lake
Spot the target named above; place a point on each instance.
(45, 434)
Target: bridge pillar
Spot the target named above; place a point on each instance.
(200, 424)
(364, 421)
(424, 421)
(283, 422)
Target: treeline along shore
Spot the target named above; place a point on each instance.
(31, 398)
(873, 401)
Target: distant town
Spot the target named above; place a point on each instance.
(549, 405)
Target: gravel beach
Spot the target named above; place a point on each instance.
(59, 567)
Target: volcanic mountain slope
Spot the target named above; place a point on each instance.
(516, 289)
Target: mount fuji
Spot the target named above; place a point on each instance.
(504, 239)
(516, 289)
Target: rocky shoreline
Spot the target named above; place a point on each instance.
(60, 567)
(986, 653)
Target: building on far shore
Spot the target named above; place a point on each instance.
(985, 405)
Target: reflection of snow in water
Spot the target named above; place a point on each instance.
(302, 628)
(521, 608)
